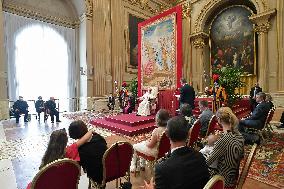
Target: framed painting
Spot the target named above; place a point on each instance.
(232, 39)
(133, 22)
(160, 51)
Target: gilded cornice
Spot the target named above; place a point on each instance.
(199, 39)
(22, 11)
(89, 9)
(144, 5)
(262, 21)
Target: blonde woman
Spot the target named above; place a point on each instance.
(228, 150)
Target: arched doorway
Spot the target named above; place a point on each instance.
(41, 59)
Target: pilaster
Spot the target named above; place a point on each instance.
(262, 27)
(199, 41)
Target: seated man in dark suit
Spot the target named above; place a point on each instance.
(252, 95)
(187, 94)
(39, 105)
(91, 153)
(51, 106)
(185, 168)
(258, 116)
(21, 107)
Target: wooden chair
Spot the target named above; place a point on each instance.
(212, 125)
(194, 133)
(247, 164)
(163, 148)
(60, 174)
(216, 182)
(267, 126)
(116, 164)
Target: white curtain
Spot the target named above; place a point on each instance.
(13, 25)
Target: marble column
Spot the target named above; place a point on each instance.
(262, 26)
(199, 41)
(280, 36)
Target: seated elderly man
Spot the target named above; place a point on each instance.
(21, 107)
(184, 168)
(258, 116)
(144, 108)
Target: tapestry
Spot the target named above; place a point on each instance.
(160, 51)
(232, 39)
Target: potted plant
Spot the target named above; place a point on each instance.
(230, 79)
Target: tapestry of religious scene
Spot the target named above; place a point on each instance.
(159, 59)
(233, 40)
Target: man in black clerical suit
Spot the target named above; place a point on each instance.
(51, 106)
(184, 168)
(258, 116)
(252, 95)
(39, 105)
(111, 102)
(21, 107)
(187, 94)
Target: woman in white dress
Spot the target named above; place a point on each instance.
(144, 105)
(150, 147)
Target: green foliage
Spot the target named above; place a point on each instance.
(133, 87)
(230, 79)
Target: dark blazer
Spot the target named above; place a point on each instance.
(91, 155)
(39, 105)
(185, 168)
(21, 105)
(187, 95)
(51, 105)
(258, 116)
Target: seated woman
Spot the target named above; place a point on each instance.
(149, 147)
(91, 153)
(268, 100)
(56, 148)
(186, 112)
(228, 150)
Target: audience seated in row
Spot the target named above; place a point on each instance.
(149, 147)
(184, 167)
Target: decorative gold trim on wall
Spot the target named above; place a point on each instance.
(144, 5)
(89, 9)
(262, 21)
(21, 11)
(186, 10)
(199, 40)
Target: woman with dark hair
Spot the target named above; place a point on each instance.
(56, 148)
(91, 152)
(149, 147)
(228, 150)
(186, 112)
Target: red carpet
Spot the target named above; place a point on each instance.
(126, 124)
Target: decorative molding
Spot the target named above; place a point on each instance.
(199, 39)
(89, 9)
(212, 3)
(144, 5)
(186, 9)
(22, 11)
(261, 21)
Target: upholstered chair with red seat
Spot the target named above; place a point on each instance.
(116, 164)
(164, 146)
(60, 174)
(216, 182)
(194, 133)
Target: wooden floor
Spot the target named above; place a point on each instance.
(22, 147)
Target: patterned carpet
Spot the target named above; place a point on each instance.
(268, 164)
